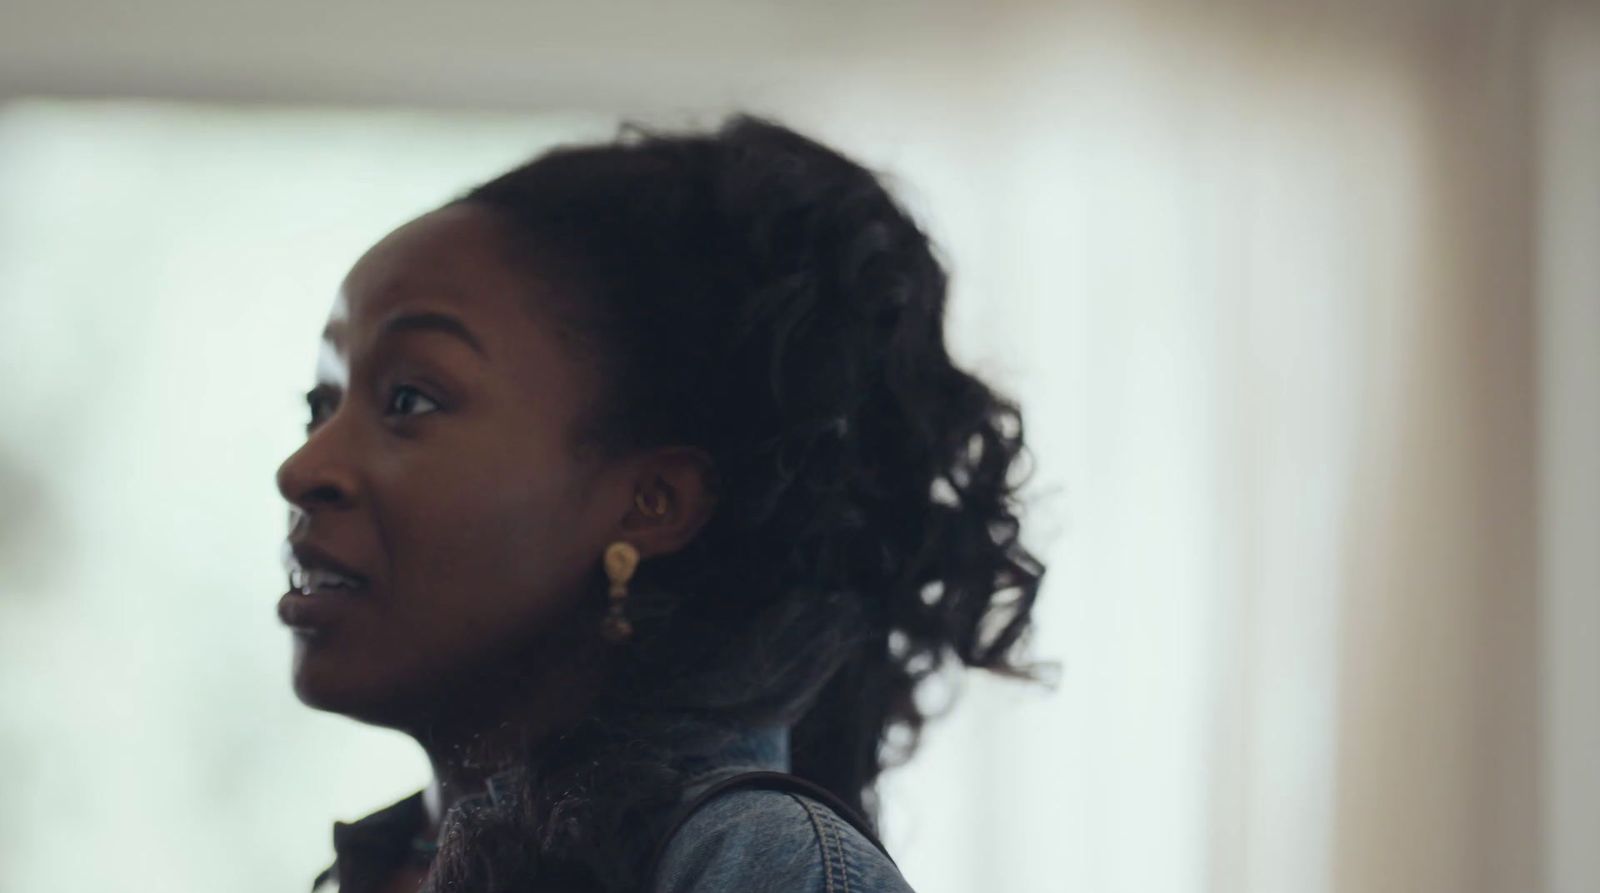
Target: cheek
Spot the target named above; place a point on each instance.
(485, 546)
(488, 555)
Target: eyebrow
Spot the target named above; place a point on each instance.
(431, 321)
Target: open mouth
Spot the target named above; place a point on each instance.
(315, 580)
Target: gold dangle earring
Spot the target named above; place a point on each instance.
(621, 560)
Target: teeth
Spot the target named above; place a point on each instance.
(309, 580)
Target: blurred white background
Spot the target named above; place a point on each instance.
(1302, 301)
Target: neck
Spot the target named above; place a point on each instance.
(494, 724)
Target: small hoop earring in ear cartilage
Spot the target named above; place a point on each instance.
(621, 560)
(655, 508)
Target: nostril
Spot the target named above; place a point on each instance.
(325, 493)
(306, 501)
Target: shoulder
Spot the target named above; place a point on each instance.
(756, 839)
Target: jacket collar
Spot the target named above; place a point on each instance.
(367, 849)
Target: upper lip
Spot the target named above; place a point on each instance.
(303, 555)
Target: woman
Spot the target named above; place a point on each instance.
(637, 468)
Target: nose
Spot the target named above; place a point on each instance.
(316, 476)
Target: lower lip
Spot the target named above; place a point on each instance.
(310, 613)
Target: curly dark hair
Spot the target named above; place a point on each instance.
(753, 293)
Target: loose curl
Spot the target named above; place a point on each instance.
(757, 295)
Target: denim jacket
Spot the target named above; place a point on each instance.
(741, 840)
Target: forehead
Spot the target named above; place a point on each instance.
(454, 262)
(448, 261)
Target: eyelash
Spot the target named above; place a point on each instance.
(318, 399)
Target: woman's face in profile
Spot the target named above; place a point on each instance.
(439, 467)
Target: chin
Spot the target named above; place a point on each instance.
(328, 680)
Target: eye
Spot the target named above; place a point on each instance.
(405, 398)
(320, 402)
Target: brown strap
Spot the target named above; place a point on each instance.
(761, 780)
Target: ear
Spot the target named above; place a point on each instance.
(673, 495)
